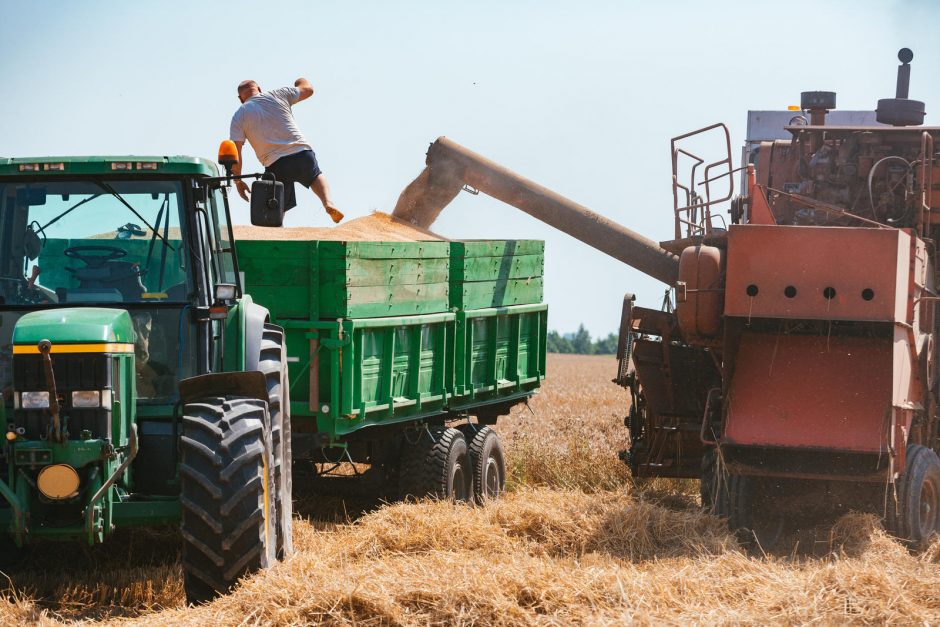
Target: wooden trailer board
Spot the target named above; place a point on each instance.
(496, 273)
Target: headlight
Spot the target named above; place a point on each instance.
(224, 292)
(34, 400)
(57, 482)
(86, 398)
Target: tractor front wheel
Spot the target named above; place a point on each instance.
(436, 464)
(916, 514)
(227, 482)
(10, 554)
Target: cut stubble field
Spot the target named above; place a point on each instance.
(575, 540)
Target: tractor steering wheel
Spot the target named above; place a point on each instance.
(95, 261)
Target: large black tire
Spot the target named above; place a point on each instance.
(436, 465)
(10, 555)
(273, 363)
(226, 473)
(751, 513)
(488, 464)
(916, 515)
(714, 484)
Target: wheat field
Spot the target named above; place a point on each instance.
(575, 541)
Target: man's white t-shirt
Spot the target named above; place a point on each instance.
(267, 123)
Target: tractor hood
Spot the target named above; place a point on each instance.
(78, 325)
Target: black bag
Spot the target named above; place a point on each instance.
(267, 202)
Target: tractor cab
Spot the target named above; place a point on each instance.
(140, 236)
(117, 280)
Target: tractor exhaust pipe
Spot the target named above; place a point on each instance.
(450, 167)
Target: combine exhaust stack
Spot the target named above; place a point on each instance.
(450, 167)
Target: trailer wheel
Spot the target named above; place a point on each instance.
(751, 513)
(917, 513)
(713, 487)
(437, 465)
(226, 473)
(273, 364)
(488, 463)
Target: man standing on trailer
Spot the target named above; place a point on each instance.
(266, 121)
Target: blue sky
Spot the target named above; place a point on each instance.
(581, 97)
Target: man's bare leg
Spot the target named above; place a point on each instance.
(322, 189)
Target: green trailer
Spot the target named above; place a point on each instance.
(384, 370)
(154, 371)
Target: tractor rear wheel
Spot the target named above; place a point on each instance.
(916, 516)
(751, 512)
(488, 464)
(227, 473)
(273, 364)
(437, 465)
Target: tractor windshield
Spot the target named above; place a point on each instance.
(107, 243)
(91, 242)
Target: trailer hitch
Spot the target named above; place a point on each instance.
(91, 507)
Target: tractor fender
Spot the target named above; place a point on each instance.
(255, 318)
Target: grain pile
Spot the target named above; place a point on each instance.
(558, 549)
(376, 227)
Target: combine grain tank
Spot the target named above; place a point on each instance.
(795, 370)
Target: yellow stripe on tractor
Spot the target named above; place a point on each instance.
(104, 347)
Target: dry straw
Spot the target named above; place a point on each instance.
(575, 542)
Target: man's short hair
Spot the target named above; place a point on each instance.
(246, 84)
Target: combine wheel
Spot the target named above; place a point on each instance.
(437, 464)
(488, 463)
(713, 487)
(917, 513)
(273, 364)
(227, 473)
(751, 513)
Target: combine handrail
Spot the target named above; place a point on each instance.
(688, 215)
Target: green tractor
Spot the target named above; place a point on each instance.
(140, 385)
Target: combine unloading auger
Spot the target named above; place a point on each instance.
(450, 167)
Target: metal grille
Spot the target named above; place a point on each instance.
(72, 373)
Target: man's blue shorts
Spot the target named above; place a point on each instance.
(300, 167)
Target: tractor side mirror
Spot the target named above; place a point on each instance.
(267, 202)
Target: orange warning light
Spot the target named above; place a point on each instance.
(228, 153)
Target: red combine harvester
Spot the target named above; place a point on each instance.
(797, 369)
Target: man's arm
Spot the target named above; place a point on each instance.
(240, 185)
(306, 89)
